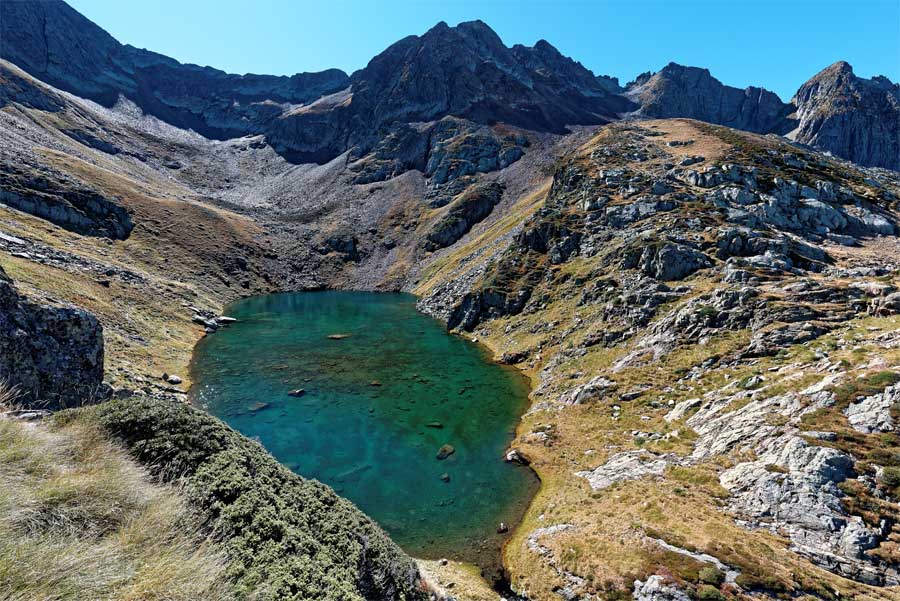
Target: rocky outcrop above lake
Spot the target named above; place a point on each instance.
(52, 356)
(63, 201)
(470, 208)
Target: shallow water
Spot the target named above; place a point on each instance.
(376, 444)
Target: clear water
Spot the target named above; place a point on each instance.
(376, 444)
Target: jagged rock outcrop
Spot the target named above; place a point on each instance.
(873, 413)
(467, 71)
(470, 208)
(51, 355)
(791, 486)
(679, 91)
(852, 117)
(665, 261)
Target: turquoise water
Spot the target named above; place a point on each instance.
(378, 405)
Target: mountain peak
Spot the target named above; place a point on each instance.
(842, 66)
(851, 116)
(543, 45)
(475, 25)
(682, 91)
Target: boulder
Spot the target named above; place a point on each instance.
(445, 451)
(873, 413)
(655, 588)
(627, 465)
(666, 261)
(52, 354)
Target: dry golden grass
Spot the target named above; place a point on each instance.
(80, 521)
(459, 580)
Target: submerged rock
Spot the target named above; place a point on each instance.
(445, 451)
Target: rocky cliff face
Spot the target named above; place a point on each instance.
(51, 355)
(678, 91)
(467, 71)
(854, 118)
(850, 116)
(464, 71)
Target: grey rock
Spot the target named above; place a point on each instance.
(666, 261)
(52, 354)
(873, 413)
(628, 465)
(622, 215)
(655, 588)
(791, 487)
(852, 117)
(595, 389)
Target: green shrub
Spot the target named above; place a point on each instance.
(709, 593)
(286, 536)
(890, 477)
(707, 311)
(711, 575)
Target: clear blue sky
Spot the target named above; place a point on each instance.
(766, 42)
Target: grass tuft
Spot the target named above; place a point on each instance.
(80, 520)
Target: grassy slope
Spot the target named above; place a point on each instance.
(80, 520)
(188, 509)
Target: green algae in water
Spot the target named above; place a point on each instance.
(384, 387)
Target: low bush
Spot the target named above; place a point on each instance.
(288, 537)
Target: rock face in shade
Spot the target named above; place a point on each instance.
(468, 72)
(464, 71)
(52, 355)
(851, 117)
(59, 46)
(691, 92)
